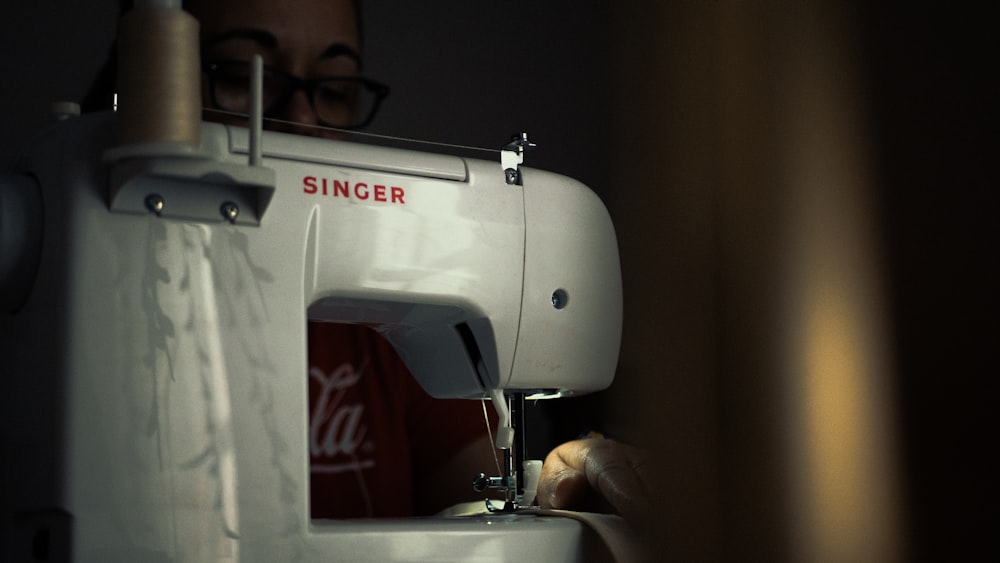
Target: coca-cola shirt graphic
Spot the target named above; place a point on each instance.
(360, 464)
(375, 436)
(337, 428)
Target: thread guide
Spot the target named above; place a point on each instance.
(191, 186)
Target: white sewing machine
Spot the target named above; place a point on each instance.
(154, 297)
(154, 329)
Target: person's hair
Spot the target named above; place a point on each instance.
(100, 94)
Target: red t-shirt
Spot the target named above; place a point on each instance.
(373, 431)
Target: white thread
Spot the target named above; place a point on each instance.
(353, 132)
(496, 459)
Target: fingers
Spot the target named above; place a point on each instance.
(618, 473)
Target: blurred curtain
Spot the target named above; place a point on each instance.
(755, 357)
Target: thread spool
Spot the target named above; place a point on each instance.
(159, 88)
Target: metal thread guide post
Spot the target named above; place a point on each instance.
(512, 155)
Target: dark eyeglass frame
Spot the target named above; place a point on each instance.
(307, 85)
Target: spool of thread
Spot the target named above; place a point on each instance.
(159, 77)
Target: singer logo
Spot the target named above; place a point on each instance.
(336, 429)
(359, 190)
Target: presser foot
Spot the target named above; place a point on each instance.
(524, 499)
(482, 482)
(509, 506)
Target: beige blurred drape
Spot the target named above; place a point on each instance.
(754, 360)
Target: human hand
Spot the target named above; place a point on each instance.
(597, 475)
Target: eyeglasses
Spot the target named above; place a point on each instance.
(347, 102)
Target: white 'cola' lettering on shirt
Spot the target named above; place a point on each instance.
(336, 429)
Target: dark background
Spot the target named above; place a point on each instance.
(934, 91)
(460, 72)
(592, 88)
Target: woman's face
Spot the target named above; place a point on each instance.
(314, 38)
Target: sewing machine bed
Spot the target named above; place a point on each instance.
(506, 537)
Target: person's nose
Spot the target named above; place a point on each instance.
(299, 115)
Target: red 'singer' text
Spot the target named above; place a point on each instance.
(357, 190)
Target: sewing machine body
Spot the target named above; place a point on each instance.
(155, 403)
